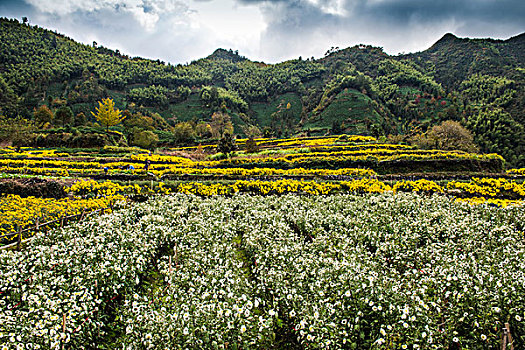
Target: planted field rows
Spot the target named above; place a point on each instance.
(378, 271)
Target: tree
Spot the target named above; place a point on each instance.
(8, 99)
(16, 130)
(64, 115)
(184, 132)
(251, 146)
(496, 131)
(42, 116)
(107, 115)
(145, 139)
(336, 127)
(449, 135)
(251, 131)
(203, 130)
(221, 124)
(227, 144)
(80, 119)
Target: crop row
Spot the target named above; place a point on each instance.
(257, 272)
(21, 213)
(60, 291)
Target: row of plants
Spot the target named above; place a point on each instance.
(19, 213)
(176, 170)
(499, 191)
(285, 272)
(60, 292)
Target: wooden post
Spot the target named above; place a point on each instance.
(19, 238)
(176, 257)
(62, 221)
(82, 215)
(506, 338)
(63, 330)
(37, 225)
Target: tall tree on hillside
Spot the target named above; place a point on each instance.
(451, 135)
(106, 114)
(43, 116)
(221, 124)
(64, 115)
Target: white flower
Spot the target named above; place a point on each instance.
(243, 328)
(185, 331)
(455, 339)
(483, 337)
(405, 324)
(518, 318)
(271, 312)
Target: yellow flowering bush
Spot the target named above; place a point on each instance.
(491, 201)
(366, 186)
(489, 187)
(22, 212)
(520, 171)
(421, 186)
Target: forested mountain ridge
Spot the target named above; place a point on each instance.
(358, 90)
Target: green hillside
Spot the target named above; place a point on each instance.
(358, 90)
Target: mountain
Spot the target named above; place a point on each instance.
(358, 90)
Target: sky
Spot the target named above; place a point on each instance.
(179, 31)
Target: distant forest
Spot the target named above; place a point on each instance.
(50, 84)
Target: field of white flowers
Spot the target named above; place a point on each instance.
(355, 272)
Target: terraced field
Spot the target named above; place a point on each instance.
(307, 244)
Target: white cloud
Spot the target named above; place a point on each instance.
(146, 12)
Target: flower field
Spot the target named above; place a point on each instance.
(261, 272)
(305, 245)
(356, 156)
(88, 195)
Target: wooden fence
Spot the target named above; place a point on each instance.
(39, 226)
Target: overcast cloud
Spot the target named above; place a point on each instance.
(179, 31)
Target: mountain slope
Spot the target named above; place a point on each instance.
(361, 89)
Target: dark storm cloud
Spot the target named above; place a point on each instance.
(473, 10)
(296, 27)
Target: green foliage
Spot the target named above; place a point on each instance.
(215, 97)
(64, 116)
(145, 139)
(495, 131)
(17, 130)
(43, 116)
(484, 89)
(184, 133)
(226, 144)
(8, 99)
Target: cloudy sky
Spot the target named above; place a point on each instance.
(180, 31)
